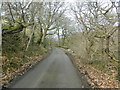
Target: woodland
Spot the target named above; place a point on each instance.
(88, 29)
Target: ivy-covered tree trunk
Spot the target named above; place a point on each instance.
(40, 38)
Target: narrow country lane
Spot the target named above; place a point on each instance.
(56, 71)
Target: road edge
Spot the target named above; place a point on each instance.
(81, 75)
(25, 71)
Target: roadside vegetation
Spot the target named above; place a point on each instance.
(96, 44)
(88, 30)
(16, 59)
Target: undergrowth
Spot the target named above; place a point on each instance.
(14, 54)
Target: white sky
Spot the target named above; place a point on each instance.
(58, 0)
(90, 0)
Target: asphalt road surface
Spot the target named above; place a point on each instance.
(56, 71)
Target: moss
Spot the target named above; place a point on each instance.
(27, 24)
(65, 47)
(101, 36)
(12, 27)
(15, 27)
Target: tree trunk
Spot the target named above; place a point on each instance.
(58, 37)
(63, 33)
(107, 45)
(30, 38)
(107, 50)
(11, 13)
(41, 35)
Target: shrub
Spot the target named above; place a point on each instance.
(99, 64)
